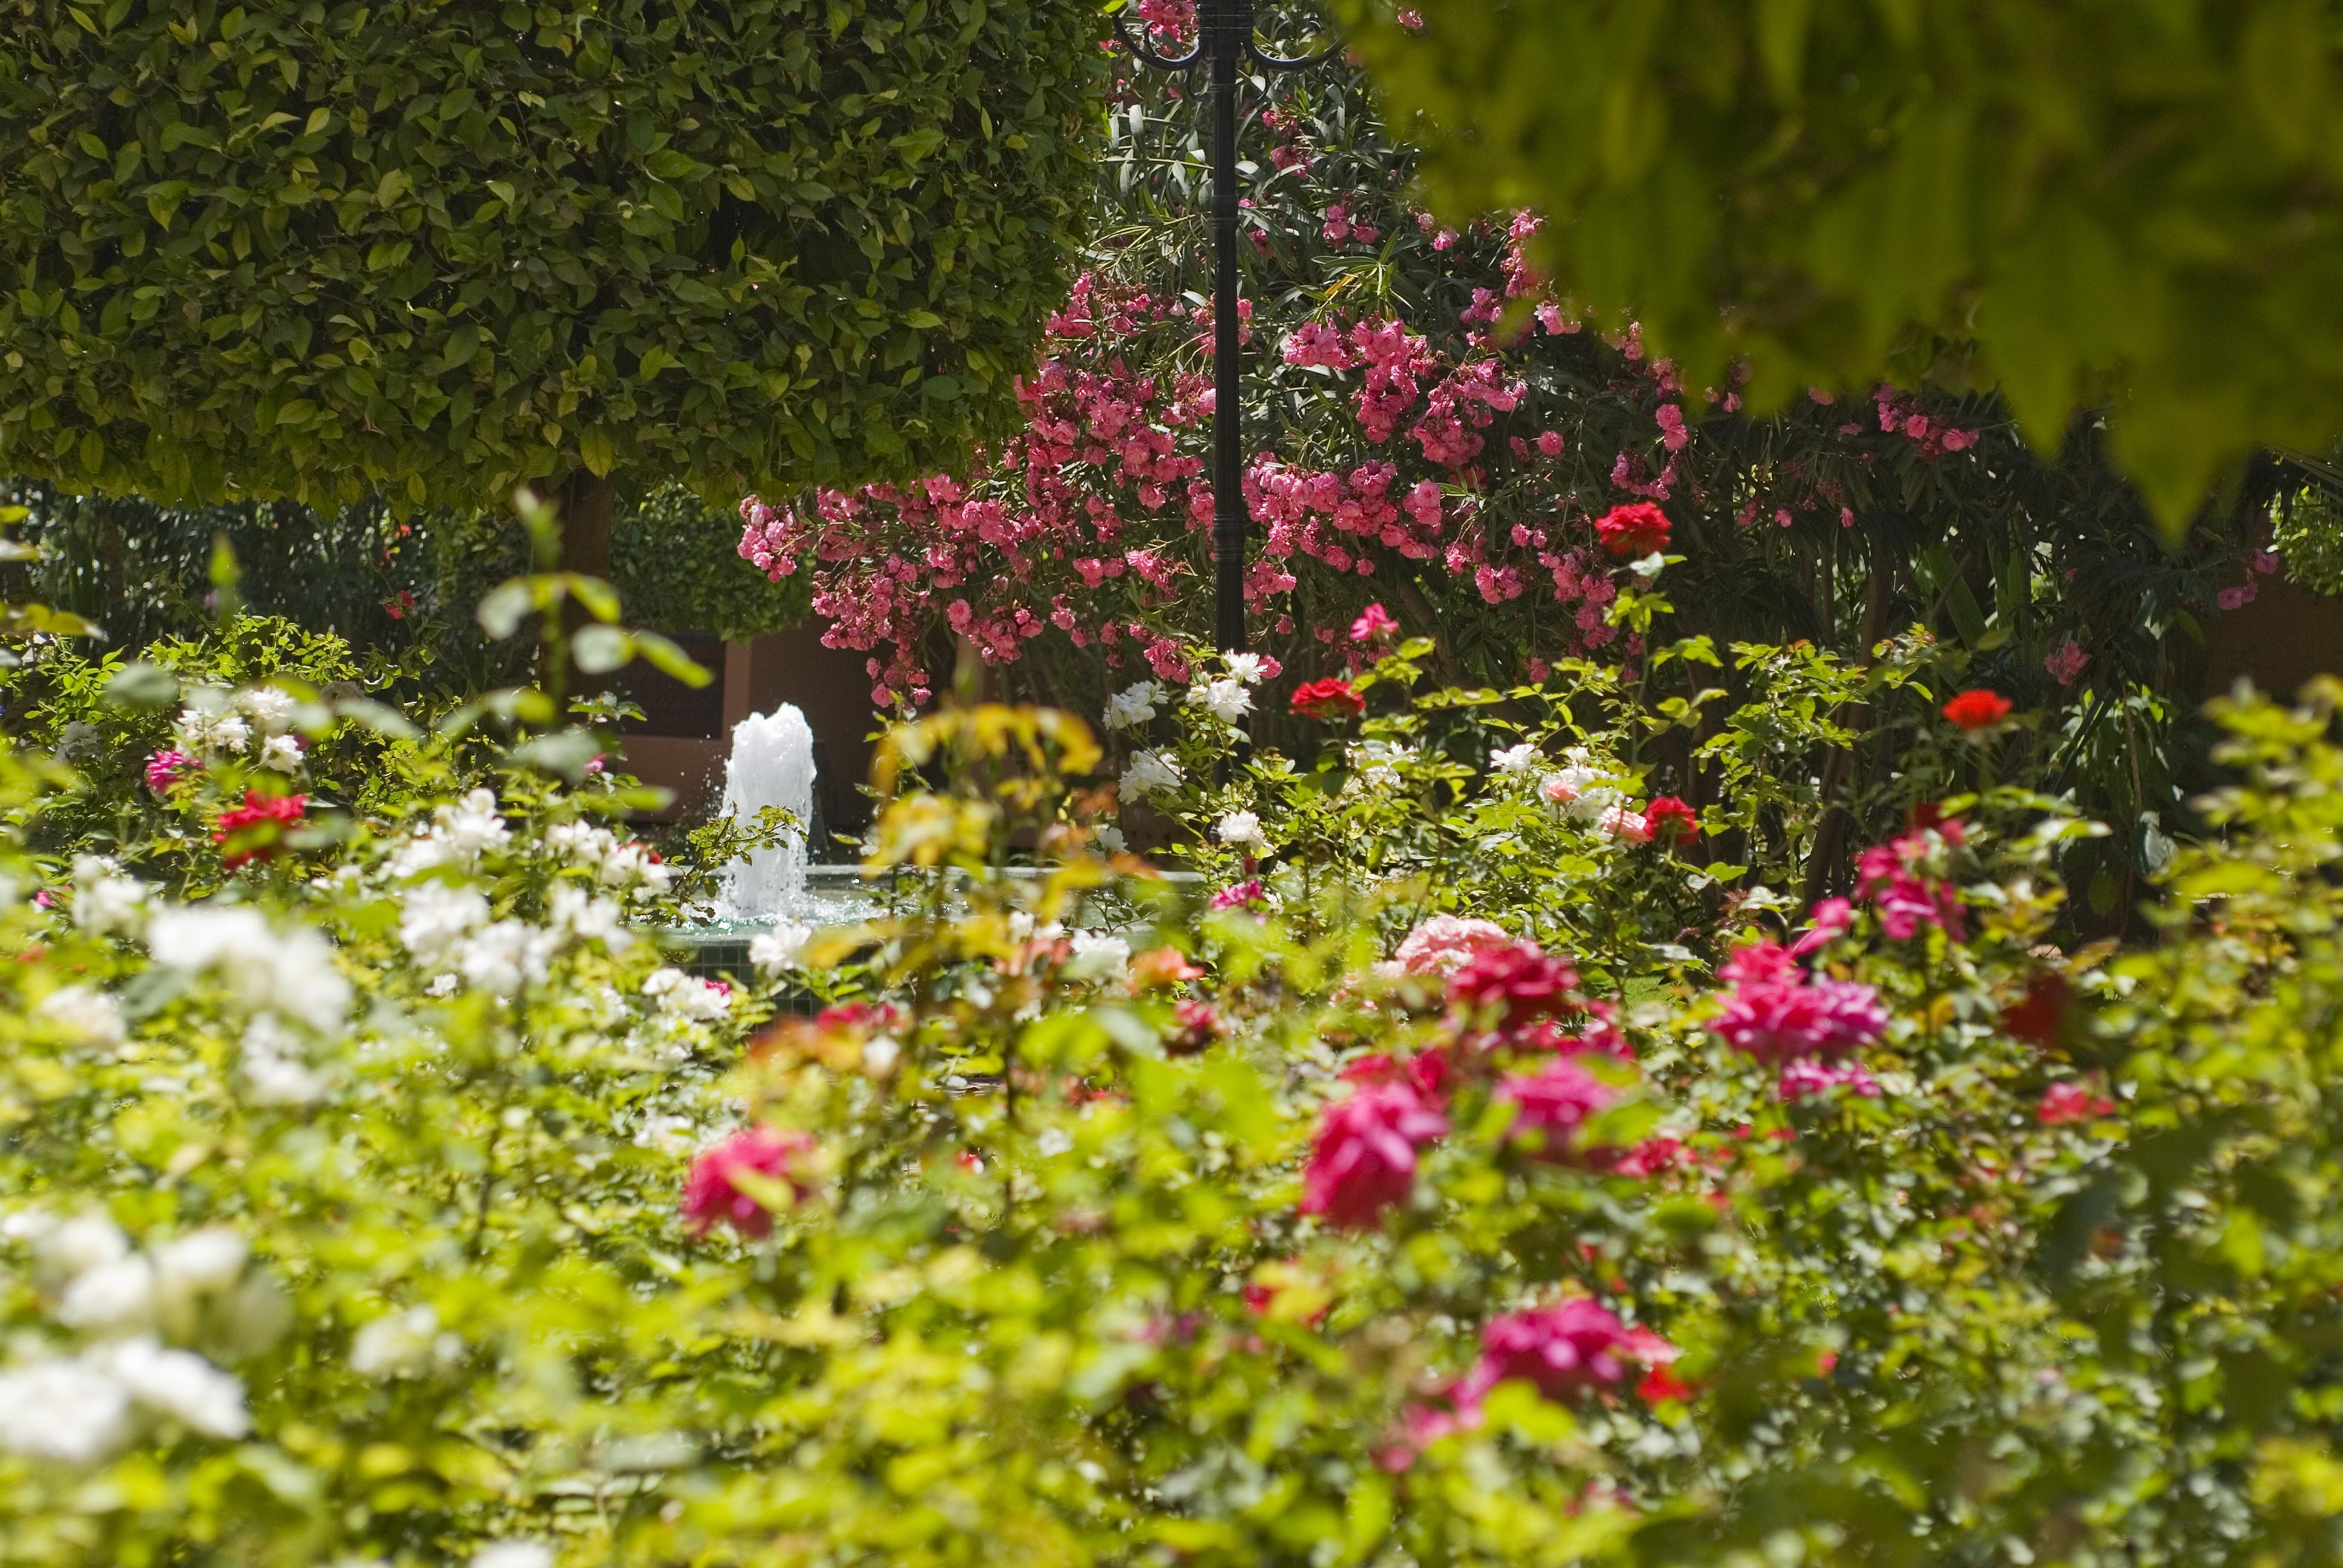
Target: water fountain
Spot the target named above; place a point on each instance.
(771, 764)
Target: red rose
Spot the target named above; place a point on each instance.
(251, 832)
(1635, 529)
(1977, 709)
(1328, 698)
(1670, 822)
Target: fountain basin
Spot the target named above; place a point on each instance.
(832, 895)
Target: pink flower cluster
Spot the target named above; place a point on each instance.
(1551, 1104)
(165, 768)
(1364, 1160)
(1894, 879)
(1441, 945)
(1566, 1351)
(1778, 1014)
(712, 1194)
(1904, 415)
(1516, 985)
(2067, 662)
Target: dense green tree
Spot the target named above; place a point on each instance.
(2080, 200)
(436, 250)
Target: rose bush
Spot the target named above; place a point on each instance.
(1451, 1171)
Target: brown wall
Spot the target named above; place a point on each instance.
(2286, 636)
(830, 687)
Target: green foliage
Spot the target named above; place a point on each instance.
(432, 252)
(2091, 201)
(398, 590)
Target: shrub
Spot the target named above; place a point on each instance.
(436, 252)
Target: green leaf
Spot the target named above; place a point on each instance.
(141, 686)
(501, 611)
(599, 649)
(666, 656)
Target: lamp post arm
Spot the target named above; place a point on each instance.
(1135, 40)
(1268, 61)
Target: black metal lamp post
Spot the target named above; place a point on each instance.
(1223, 41)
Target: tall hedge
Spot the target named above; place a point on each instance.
(431, 248)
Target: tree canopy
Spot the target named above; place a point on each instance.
(2086, 201)
(431, 250)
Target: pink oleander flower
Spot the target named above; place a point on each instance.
(1374, 625)
(163, 769)
(1442, 944)
(1775, 1013)
(1551, 1104)
(2067, 662)
(711, 1192)
(1567, 1350)
(2068, 1102)
(1527, 982)
(1805, 1079)
(1363, 1159)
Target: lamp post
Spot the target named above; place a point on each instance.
(1223, 41)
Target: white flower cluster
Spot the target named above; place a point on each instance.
(214, 723)
(1581, 789)
(107, 900)
(1134, 705)
(288, 972)
(206, 731)
(514, 1554)
(1242, 830)
(400, 1344)
(459, 834)
(276, 975)
(1097, 955)
(1151, 773)
(81, 1408)
(86, 1014)
(682, 996)
(1225, 699)
(615, 863)
(782, 949)
(444, 924)
(1376, 764)
(1514, 760)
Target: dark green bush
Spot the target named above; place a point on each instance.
(435, 250)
